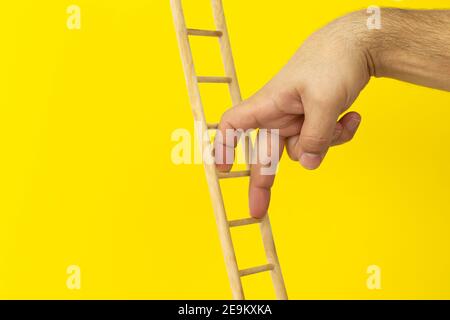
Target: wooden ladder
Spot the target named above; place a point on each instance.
(212, 175)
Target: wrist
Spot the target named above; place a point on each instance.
(361, 32)
(408, 45)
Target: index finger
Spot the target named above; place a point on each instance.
(234, 121)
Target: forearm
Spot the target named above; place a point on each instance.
(412, 46)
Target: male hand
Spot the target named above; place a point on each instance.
(303, 101)
(306, 98)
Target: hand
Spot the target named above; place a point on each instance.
(323, 79)
(304, 101)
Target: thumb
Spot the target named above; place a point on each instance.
(316, 136)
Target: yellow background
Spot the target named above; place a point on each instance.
(86, 178)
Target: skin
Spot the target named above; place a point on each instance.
(308, 99)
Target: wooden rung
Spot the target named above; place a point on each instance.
(212, 126)
(233, 174)
(214, 79)
(249, 271)
(204, 33)
(243, 222)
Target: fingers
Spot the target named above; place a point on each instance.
(348, 124)
(232, 124)
(316, 136)
(291, 147)
(344, 132)
(269, 148)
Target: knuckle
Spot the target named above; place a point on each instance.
(288, 101)
(314, 144)
(318, 98)
(225, 119)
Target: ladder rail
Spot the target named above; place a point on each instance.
(210, 170)
(236, 98)
(212, 176)
(272, 258)
(229, 66)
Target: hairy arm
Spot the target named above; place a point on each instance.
(412, 46)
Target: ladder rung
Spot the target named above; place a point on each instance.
(243, 222)
(233, 174)
(249, 271)
(214, 79)
(212, 126)
(204, 33)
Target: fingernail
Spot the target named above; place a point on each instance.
(310, 161)
(354, 124)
